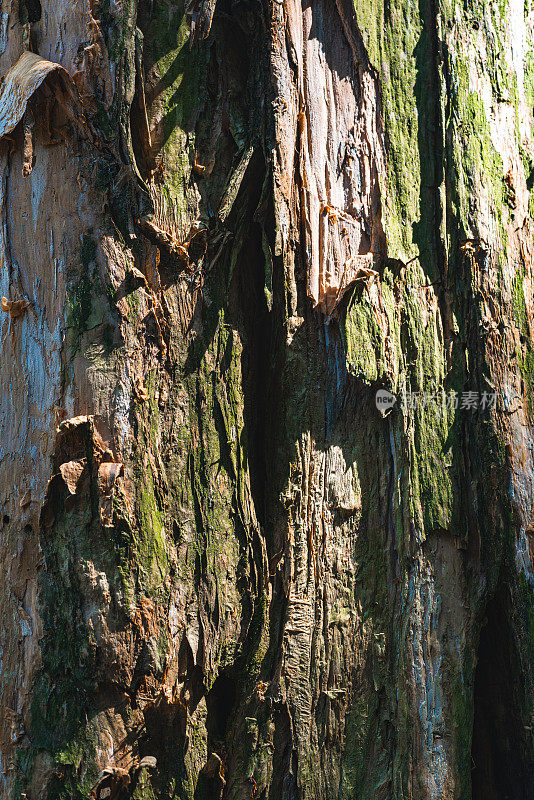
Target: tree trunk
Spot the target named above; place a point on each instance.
(228, 231)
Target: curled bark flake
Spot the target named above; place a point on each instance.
(73, 423)
(108, 472)
(140, 391)
(21, 82)
(71, 472)
(15, 308)
(202, 170)
(147, 762)
(357, 269)
(26, 499)
(164, 240)
(77, 438)
(112, 781)
(69, 475)
(211, 779)
(178, 257)
(136, 279)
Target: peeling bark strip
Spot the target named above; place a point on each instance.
(224, 574)
(330, 159)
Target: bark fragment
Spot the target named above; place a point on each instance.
(20, 83)
(15, 308)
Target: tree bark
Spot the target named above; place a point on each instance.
(226, 572)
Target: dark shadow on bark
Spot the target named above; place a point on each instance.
(427, 231)
(251, 316)
(502, 758)
(220, 702)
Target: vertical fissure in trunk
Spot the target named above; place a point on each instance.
(502, 764)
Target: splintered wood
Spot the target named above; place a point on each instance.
(330, 160)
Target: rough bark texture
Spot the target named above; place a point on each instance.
(223, 572)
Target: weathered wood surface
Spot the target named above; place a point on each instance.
(224, 227)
